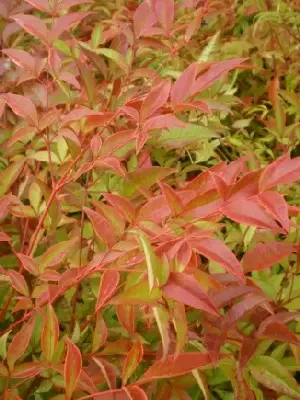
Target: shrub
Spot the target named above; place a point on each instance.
(148, 245)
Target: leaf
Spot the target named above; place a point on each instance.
(72, 368)
(215, 72)
(102, 227)
(66, 22)
(162, 319)
(172, 198)
(132, 361)
(181, 88)
(138, 294)
(22, 59)
(280, 172)
(50, 333)
(114, 56)
(144, 18)
(264, 255)
(4, 237)
(187, 290)
(42, 5)
(175, 366)
(146, 177)
(241, 309)
(276, 330)
(100, 333)
(29, 264)
(3, 343)
(20, 343)
(43, 155)
(123, 205)
(28, 370)
(126, 317)
(217, 251)
(107, 370)
(56, 254)
(163, 121)
(151, 261)
(22, 106)
(33, 25)
(164, 10)
(181, 327)
(209, 48)
(277, 207)
(108, 285)
(155, 99)
(18, 282)
(271, 374)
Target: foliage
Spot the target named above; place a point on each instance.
(148, 200)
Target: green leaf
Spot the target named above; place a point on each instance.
(97, 35)
(138, 294)
(114, 56)
(271, 374)
(9, 175)
(44, 156)
(56, 254)
(3, 341)
(151, 260)
(209, 48)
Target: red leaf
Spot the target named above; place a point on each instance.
(18, 283)
(229, 294)
(181, 88)
(277, 331)
(65, 4)
(20, 343)
(277, 207)
(123, 205)
(175, 366)
(111, 163)
(66, 22)
(101, 226)
(72, 368)
(172, 199)
(264, 255)
(4, 237)
(29, 264)
(22, 59)
(196, 105)
(22, 107)
(164, 10)
(217, 251)
(155, 99)
(33, 25)
(42, 5)
(185, 289)
(248, 349)
(249, 212)
(108, 285)
(240, 310)
(125, 314)
(280, 172)
(50, 333)
(132, 361)
(163, 121)
(215, 72)
(144, 18)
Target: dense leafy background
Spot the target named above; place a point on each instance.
(149, 205)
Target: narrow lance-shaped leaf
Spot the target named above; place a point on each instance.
(33, 25)
(50, 333)
(56, 254)
(100, 333)
(151, 260)
(164, 10)
(72, 368)
(138, 295)
(156, 98)
(132, 361)
(181, 87)
(18, 282)
(66, 22)
(108, 284)
(102, 227)
(42, 5)
(20, 343)
(162, 319)
(9, 175)
(181, 327)
(114, 56)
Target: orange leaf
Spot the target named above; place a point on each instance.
(18, 282)
(50, 333)
(108, 285)
(155, 99)
(132, 360)
(22, 106)
(72, 368)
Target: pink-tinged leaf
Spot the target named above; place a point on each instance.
(111, 163)
(181, 327)
(29, 264)
(241, 309)
(107, 370)
(164, 10)
(264, 255)
(276, 205)
(72, 368)
(172, 199)
(70, 79)
(144, 18)
(163, 121)
(194, 25)
(278, 331)
(22, 106)
(54, 60)
(217, 251)
(195, 105)
(132, 361)
(248, 349)
(42, 5)
(131, 112)
(33, 25)
(66, 22)
(86, 383)
(222, 187)
(100, 333)
(108, 285)
(281, 172)
(175, 366)
(125, 314)
(249, 212)
(230, 294)
(123, 205)
(50, 333)
(213, 344)
(78, 114)
(215, 72)
(22, 59)
(138, 295)
(155, 99)
(4, 237)
(27, 370)
(24, 303)
(97, 120)
(187, 290)
(141, 139)
(18, 282)
(19, 343)
(66, 4)
(102, 227)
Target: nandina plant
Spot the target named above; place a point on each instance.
(131, 253)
